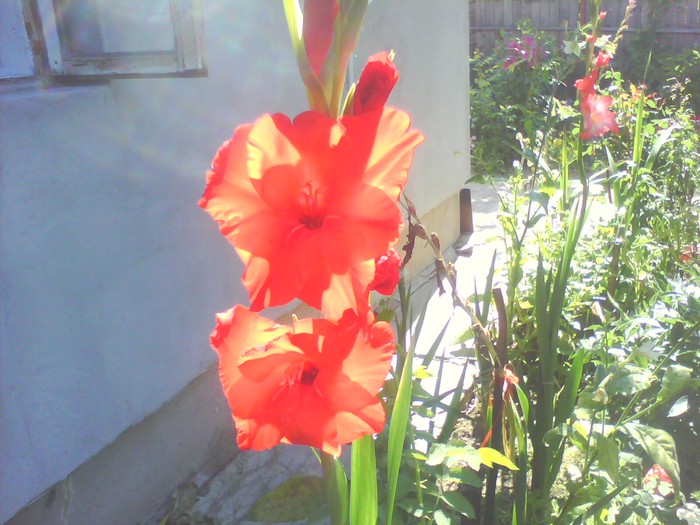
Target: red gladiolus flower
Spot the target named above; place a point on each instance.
(386, 273)
(602, 60)
(597, 117)
(689, 253)
(658, 480)
(314, 383)
(696, 120)
(586, 85)
(317, 30)
(376, 81)
(310, 204)
(510, 379)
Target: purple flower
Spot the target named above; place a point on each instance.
(524, 50)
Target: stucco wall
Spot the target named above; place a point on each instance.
(110, 274)
(431, 42)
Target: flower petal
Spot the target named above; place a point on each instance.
(597, 117)
(391, 153)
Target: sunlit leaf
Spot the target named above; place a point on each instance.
(440, 452)
(461, 504)
(422, 373)
(466, 476)
(441, 518)
(660, 447)
(676, 379)
(679, 408)
(608, 455)
(489, 456)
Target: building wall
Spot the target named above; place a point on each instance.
(110, 274)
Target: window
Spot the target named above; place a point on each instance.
(112, 38)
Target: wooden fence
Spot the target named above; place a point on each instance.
(678, 25)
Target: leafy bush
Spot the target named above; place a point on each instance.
(510, 95)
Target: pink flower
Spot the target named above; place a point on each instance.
(524, 50)
(597, 117)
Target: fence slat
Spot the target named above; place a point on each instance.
(678, 27)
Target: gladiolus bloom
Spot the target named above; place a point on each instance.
(597, 117)
(386, 273)
(510, 379)
(602, 60)
(689, 253)
(313, 383)
(376, 81)
(310, 204)
(658, 480)
(586, 85)
(696, 120)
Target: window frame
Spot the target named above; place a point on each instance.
(48, 57)
(16, 57)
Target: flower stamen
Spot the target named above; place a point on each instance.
(312, 211)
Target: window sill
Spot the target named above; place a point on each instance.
(43, 87)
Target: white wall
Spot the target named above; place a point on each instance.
(431, 40)
(110, 274)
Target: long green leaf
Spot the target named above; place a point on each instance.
(567, 397)
(484, 310)
(638, 145)
(397, 430)
(659, 142)
(363, 486)
(453, 411)
(336, 488)
(520, 485)
(430, 354)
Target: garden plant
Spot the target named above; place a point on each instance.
(588, 355)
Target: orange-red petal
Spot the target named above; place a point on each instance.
(314, 383)
(597, 117)
(310, 204)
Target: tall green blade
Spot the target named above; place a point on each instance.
(363, 486)
(336, 487)
(397, 430)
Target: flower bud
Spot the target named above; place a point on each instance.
(386, 273)
(377, 80)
